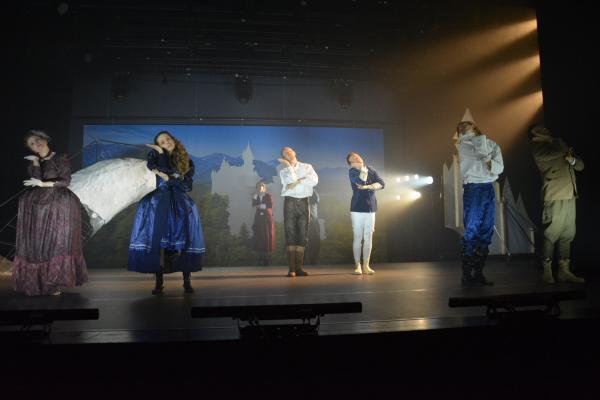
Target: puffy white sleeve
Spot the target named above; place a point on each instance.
(310, 178)
(497, 161)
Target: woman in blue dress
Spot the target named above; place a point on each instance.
(167, 233)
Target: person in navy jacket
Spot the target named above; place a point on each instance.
(364, 181)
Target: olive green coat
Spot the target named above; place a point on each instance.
(558, 176)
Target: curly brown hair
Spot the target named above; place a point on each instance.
(179, 157)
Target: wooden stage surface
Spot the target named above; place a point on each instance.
(399, 297)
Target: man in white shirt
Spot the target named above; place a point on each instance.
(298, 180)
(480, 164)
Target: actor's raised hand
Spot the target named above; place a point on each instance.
(32, 158)
(155, 147)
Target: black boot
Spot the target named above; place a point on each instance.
(467, 268)
(480, 255)
(467, 271)
(158, 286)
(187, 284)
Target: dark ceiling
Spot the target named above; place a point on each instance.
(351, 39)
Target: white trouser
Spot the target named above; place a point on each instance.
(363, 226)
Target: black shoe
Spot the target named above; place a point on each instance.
(187, 288)
(480, 256)
(466, 281)
(467, 271)
(479, 280)
(158, 285)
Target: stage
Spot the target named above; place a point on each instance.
(406, 339)
(399, 297)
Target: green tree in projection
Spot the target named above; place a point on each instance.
(244, 235)
(337, 248)
(279, 256)
(213, 212)
(240, 249)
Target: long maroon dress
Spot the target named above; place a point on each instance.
(49, 245)
(264, 224)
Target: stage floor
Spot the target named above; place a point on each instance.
(399, 297)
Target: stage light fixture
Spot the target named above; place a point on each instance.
(345, 92)
(20, 323)
(414, 195)
(398, 197)
(429, 180)
(242, 87)
(62, 8)
(406, 178)
(519, 306)
(121, 85)
(415, 176)
(255, 314)
(398, 179)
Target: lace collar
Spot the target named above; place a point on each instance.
(49, 156)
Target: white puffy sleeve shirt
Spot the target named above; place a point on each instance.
(291, 174)
(474, 153)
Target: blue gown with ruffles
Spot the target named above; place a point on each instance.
(167, 218)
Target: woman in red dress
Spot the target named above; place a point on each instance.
(48, 244)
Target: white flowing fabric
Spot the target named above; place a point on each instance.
(109, 186)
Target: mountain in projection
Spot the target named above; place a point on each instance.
(99, 151)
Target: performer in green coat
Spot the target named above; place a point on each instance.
(557, 163)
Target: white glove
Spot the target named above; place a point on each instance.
(36, 182)
(255, 197)
(263, 206)
(364, 173)
(32, 158)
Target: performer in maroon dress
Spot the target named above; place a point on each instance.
(264, 224)
(48, 244)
